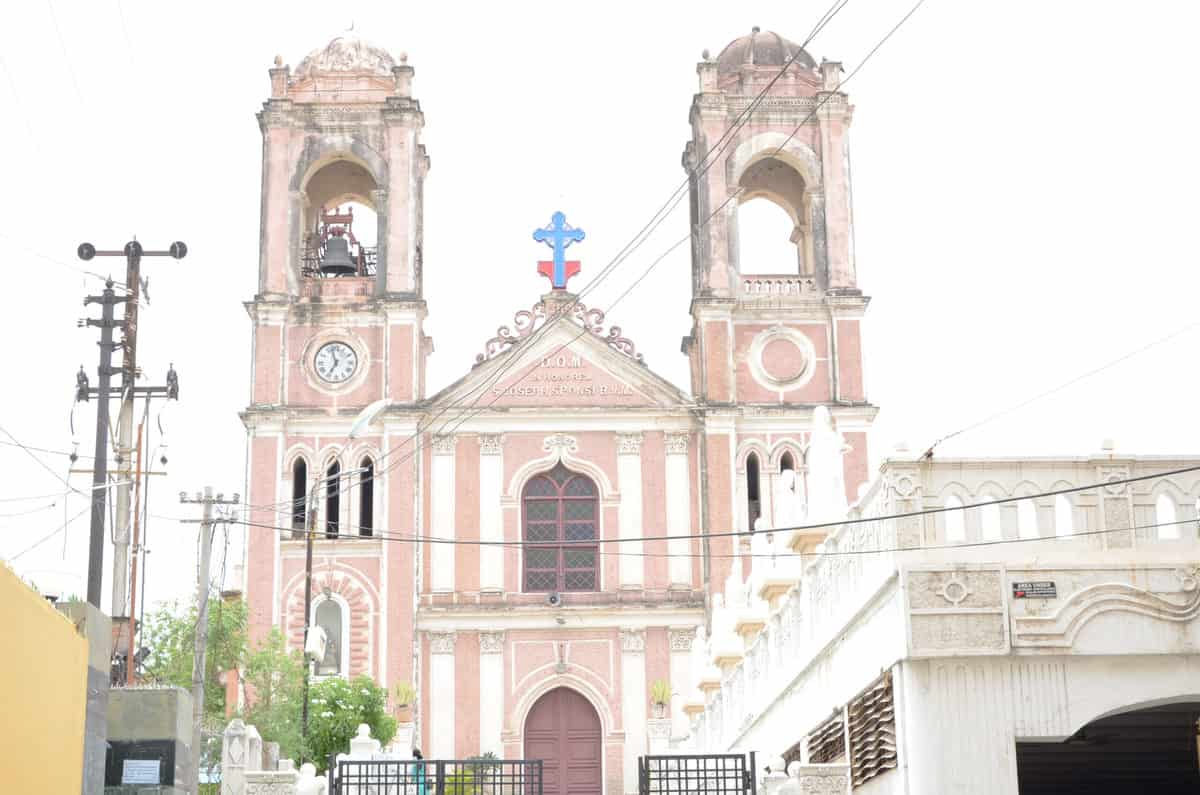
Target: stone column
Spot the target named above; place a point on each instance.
(491, 688)
(680, 643)
(634, 699)
(442, 706)
(441, 515)
(379, 198)
(491, 518)
(679, 510)
(629, 513)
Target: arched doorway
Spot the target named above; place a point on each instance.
(1152, 750)
(563, 730)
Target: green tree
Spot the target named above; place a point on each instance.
(275, 688)
(337, 707)
(170, 636)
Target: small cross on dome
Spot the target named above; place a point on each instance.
(558, 235)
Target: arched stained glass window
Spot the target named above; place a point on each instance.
(299, 496)
(366, 498)
(753, 498)
(560, 515)
(333, 500)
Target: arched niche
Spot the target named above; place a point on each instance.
(773, 219)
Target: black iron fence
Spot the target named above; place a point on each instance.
(710, 774)
(436, 777)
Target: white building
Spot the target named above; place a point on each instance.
(1043, 645)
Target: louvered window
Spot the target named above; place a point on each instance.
(872, 720)
(828, 743)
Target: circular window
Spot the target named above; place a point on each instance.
(781, 358)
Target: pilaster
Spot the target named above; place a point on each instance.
(442, 705)
(441, 518)
(491, 689)
(634, 700)
(629, 514)
(491, 518)
(679, 510)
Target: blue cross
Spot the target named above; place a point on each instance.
(558, 235)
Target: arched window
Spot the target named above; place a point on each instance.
(956, 529)
(299, 496)
(560, 516)
(753, 500)
(333, 499)
(989, 517)
(1064, 522)
(328, 616)
(1166, 517)
(1027, 524)
(366, 498)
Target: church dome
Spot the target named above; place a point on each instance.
(347, 54)
(761, 48)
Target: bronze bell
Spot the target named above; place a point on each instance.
(336, 259)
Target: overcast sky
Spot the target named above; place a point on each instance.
(1024, 192)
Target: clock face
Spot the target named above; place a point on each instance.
(336, 362)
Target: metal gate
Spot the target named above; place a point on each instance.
(683, 774)
(436, 777)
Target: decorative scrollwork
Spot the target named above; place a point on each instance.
(530, 320)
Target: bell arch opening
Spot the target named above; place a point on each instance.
(772, 220)
(341, 222)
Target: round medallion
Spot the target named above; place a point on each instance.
(335, 362)
(782, 360)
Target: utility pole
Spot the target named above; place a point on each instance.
(133, 253)
(309, 529)
(207, 528)
(104, 372)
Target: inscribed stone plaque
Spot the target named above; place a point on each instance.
(141, 771)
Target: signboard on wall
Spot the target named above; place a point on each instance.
(141, 771)
(1035, 589)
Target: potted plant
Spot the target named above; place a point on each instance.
(405, 696)
(660, 697)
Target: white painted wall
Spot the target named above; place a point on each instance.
(629, 518)
(633, 711)
(442, 706)
(491, 703)
(441, 521)
(491, 521)
(679, 519)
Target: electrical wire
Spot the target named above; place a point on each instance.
(392, 535)
(30, 511)
(48, 536)
(45, 450)
(1064, 385)
(40, 462)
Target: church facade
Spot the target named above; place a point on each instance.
(536, 545)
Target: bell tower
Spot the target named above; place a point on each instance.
(772, 340)
(337, 325)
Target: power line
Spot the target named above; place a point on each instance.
(1064, 385)
(40, 462)
(392, 535)
(49, 536)
(45, 450)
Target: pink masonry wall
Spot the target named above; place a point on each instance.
(400, 375)
(466, 693)
(850, 368)
(815, 390)
(466, 509)
(260, 537)
(267, 341)
(399, 557)
(720, 517)
(654, 509)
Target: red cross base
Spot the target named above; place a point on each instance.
(570, 268)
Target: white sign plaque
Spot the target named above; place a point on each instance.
(141, 771)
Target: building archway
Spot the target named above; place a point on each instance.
(1153, 749)
(563, 730)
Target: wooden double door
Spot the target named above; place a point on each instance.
(563, 730)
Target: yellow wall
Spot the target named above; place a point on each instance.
(43, 690)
